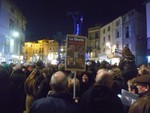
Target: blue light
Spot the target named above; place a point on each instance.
(148, 57)
(81, 19)
(78, 20)
(77, 29)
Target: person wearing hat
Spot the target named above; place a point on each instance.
(142, 105)
(143, 85)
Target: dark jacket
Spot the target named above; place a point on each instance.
(43, 89)
(128, 67)
(55, 103)
(100, 99)
(118, 84)
(146, 93)
(142, 105)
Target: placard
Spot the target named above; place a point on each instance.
(75, 53)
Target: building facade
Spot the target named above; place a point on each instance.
(128, 30)
(111, 39)
(93, 43)
(134, 34)
(12, 31)
(45, 50)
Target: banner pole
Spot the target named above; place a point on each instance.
(74, 85)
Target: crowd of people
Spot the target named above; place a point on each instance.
(47, 88)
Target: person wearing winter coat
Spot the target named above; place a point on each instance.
(100, 98)
(127, 64)
(58, 100)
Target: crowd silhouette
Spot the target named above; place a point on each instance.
(46, 88)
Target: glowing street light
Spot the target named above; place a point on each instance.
(111, 49)
(61, 49)
(15, 34)
(108, 45)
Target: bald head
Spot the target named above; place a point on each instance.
(59, 81)
(104, 78)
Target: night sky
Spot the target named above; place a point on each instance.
(46, 17)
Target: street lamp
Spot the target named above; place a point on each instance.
(61, 49)
(111, 49)
(15, 34)
(108, 45)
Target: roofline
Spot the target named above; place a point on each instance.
(18, 10)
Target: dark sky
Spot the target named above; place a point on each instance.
(46, 17)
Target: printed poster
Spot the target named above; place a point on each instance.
(75, 53)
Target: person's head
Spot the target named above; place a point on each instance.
(61, 67)
(104, 78)
(40, 64)
(46, 72)
(132, 86)
(116, 72)
(17, 67)
(143, 83)
(85, 78)
(141, 105)
(142, 71)
(126, 52)
(59, 82)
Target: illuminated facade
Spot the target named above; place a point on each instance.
(45, 50)
(134, 34)
(128, 30)
(93, 43)
(12, 31)
(28, 48)
(53, 50)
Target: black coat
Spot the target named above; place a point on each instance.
(128, 68)
(55, 103)
(100, 99)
